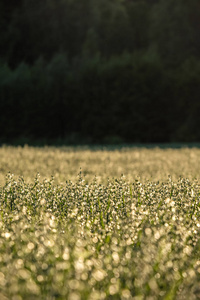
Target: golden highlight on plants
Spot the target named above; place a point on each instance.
(132, 236)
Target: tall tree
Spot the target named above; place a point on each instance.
(171, 31)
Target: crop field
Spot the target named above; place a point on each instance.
(91, 224)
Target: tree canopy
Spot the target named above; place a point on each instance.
(109, 70)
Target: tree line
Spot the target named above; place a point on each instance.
(100, 71)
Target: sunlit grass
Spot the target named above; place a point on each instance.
(88, 237)
(64, 163)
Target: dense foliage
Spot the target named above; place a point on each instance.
(81, 241)
(86, 237)
(93, 71)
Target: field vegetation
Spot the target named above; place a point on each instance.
(124, 226)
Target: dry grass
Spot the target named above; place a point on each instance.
(64, 163)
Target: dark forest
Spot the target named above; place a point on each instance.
(99, 71)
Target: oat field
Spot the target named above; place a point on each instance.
(81, 223)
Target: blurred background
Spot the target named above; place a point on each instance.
(99, 71)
